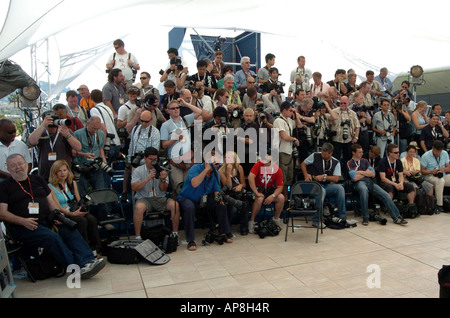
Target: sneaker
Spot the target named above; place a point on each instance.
(251, 227)
(400, 221)
(439, 208)
(365, 221)
(92, 268)
(277, 221)
(319, 225)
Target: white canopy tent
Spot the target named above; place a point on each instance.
(331, 34)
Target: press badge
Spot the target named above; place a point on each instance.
(52, 156)
(121, 100)
(33, 208)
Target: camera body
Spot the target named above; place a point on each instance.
(302, 203)
(136, 159)
(160, 167)
(345, 124)
(56, 120)
(89, 167)
(223, 196)
(84, 204)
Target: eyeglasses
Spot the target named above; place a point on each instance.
(133, 89)
(143, 78)
(116, 47)
(145, 121)
(14, 166)
(174, 108)
(396, 152)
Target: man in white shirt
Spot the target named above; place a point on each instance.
(302, 70)
(289, 119)
(10, 145)
(124, 61)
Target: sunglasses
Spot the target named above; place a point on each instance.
(143, 78)
(396, 152)
(145, 121)
(174, 108)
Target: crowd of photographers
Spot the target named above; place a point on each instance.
(326, 132)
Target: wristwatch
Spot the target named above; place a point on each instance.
(273, 196)
(324, 177)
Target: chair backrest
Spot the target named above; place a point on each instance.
(104, 196)
(306, 187)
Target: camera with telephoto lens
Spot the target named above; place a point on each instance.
(164, 165)
(345, 129)
(318, 104)
(83, 204)
(136, 159)
(56, 120)
(222, 196)
(87, 168)
(57, 215)
(107, 145)
(277, 86)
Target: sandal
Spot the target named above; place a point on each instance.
(192, 246)
(227, 238)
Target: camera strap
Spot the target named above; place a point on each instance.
(139, 134)
(65, 193)
(52, 143)
(88, 136)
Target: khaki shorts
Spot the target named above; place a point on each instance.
(287, 167)
(154, 204)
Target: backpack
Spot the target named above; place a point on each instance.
(426, 204)
(44, 266)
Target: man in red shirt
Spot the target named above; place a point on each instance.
(61, 111)
(266, 182)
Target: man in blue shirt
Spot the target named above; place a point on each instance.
(199, 191)
(435, 167)
(362, 174)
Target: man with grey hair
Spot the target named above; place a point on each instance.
(386, 85)
(234, 103)
(240, 77)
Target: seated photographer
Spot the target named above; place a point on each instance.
(412, 170)
(67, 199)
(150, 186)
(433, 131)
(362, 175)
(250, 142)
(419, 120)
(29, 213)
(232, 175)
(200, 189)
(373, 156)
(384, 126)
(325, 169)
(266, 182)
(54, 142)
(60, 110)
(435, 167)
(390, 170)
(141, 137)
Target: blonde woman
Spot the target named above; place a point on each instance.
(232, 174)
(66, 196)
(411, 170)
(419, 119)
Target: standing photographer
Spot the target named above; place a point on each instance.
(384, 126)
(142, 137)
(405, 129)
(347, 128)
(365, 120)
(151, 186)
(53, 143)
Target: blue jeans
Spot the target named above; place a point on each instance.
(366, 186)
(332, 190)
(67, 246)
(97, 181)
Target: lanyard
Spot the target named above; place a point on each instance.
(31, 190)
(52, 144)
(88, 136)
(393, 169)
(357, 164)
(324, 165)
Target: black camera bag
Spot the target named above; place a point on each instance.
(267, 228)
(124, 252)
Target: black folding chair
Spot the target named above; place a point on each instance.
(302, 205)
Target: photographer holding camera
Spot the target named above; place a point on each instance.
(26, 207)
(199, 191)
(307, 116)
(54, 142)
(151, 186)
(405, 129)
(142, 137)
(384, 126)
(208, 79)
(266, 182)
(274, 89)
(347, 126)
(435, 167)
(67, 198)
(232, 175)
(176, 73)
(365, 119)
(433, 131)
